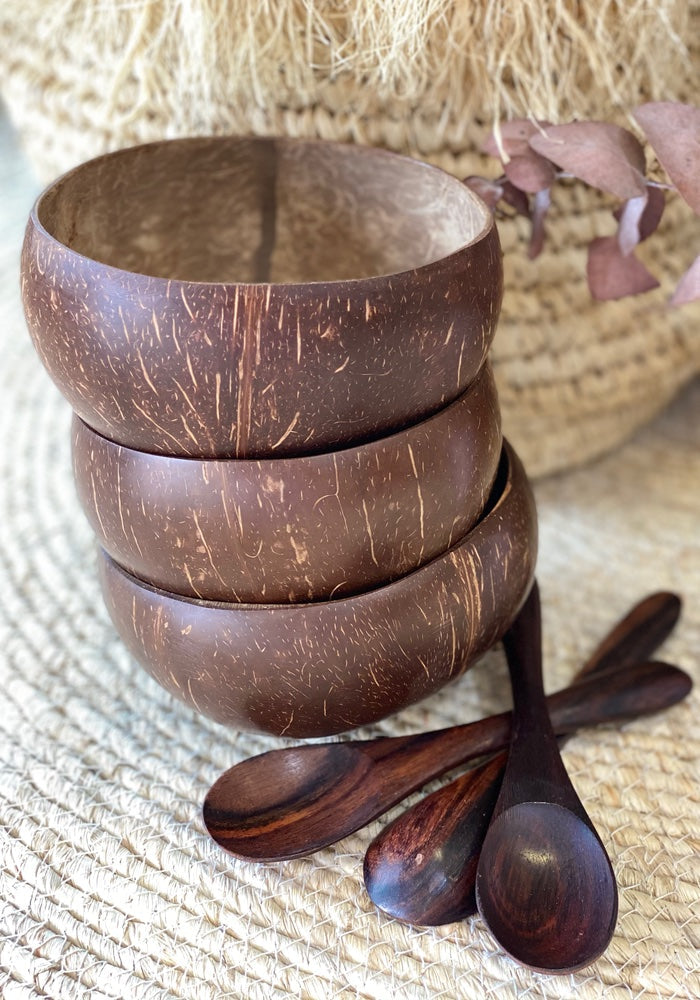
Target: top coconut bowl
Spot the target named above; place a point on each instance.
(230, 297)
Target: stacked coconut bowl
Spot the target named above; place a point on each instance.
(286, 436)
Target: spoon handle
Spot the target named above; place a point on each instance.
(291, 801)
(545, 887)
(632, 640)
(637, 636)
(421, 868)
(536, 772)
(523, 647)
(403, 764)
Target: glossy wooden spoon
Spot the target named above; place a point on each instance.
(544, 883)
(289, 802)
(421, 868)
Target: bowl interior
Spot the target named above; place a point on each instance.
(261, 210)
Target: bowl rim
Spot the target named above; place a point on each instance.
(509, 473)
(433, 265)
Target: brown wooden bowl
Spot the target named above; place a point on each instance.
(230, 297)
(314, 669)
(293, 529)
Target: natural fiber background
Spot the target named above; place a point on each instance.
(109, 885)
(427, 77)
(417, 75)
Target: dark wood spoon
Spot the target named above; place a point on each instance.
(421, 868)
(544, 883)
(290, 802)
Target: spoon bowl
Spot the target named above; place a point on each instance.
(421, 868)
(309, 776)
(544, 883)
(551, 898)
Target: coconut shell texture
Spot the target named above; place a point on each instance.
(306, 670)
(427, 77)
(293, 529)
(257, 297)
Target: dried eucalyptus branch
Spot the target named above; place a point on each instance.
(535, 154)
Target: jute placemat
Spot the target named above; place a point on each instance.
(109, 886)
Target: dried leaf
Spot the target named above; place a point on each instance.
(530, 172)
(612, 274)
(651, 216)
(603, 155)
(514, 138)
(516, 198)
(628, 231)
(490, 191)
(673, 130)
(688, 289)
(540, 207)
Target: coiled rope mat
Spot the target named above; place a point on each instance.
(109, 886)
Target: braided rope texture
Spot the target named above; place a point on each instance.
(109, 885)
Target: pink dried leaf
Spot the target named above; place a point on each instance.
(530, 172)
(516, 198)
(673, 129)
(540, 207)
(600, 154)
(651, 215)
(514, 137)
(629, 219)
(688, 289)
(490, 191)
(612, 274)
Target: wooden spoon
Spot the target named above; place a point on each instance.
(421, 868)
(544, 883)
(289, 802)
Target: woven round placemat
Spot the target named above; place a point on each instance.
(109, 885)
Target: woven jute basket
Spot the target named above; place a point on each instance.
(426, 77)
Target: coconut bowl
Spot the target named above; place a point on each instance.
(293, 529)
(319, 668)
(258, 297)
